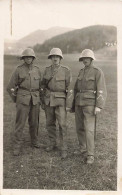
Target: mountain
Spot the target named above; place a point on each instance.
(37, 37)
(92, 37)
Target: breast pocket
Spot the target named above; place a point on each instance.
(90, 83)
(80, 77)
(22, 79)
(79, 83)
(47, 78)
(36, 77)
(60, 82)
(36, 81)
(21, 76)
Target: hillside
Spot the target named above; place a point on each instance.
(36, 37)
(92, 37)
(39, 36)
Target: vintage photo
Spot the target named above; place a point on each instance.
(60, 95)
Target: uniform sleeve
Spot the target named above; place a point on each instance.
(74, 95)
(101, 92)
(13, 83)
(43, 81)
(68, 79)
(42, 89)
(69, 90)
(40, 80)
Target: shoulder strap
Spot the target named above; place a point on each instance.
(21, 82)
(54, 73)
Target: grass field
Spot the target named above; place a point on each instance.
(37, 169)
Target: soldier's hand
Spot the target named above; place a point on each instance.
(97, 110)
(42, 105)
(68, 109)
(72, 110)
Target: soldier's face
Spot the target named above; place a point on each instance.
(28, 60)
(55, 59)
(87, 61)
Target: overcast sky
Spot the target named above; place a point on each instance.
(31, 15)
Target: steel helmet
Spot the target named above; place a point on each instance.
(87, 53)
(28, 52)
(55, 51)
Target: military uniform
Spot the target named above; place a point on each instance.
(56, 83)
(89, 92)
(27, 80)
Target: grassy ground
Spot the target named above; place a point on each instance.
(37, 169)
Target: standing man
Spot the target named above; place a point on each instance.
(56, 81)
(90, 95)
(24, 88)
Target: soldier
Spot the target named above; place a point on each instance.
(56, 81)
(24, 88)
(90, 95)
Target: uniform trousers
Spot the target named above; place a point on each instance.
(85, 127)
(22, 113)
(52, 114)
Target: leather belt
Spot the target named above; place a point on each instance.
(84, 91)
(30, 90)
(56, 91)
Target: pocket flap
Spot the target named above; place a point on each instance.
(22, 94)
(60, 77)
(60, 95)
(89, 95)
(79, 78)
(22, 74)
(90, 79)
(36, 77)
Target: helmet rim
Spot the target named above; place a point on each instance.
(81, 59)
(87, 53)
(56, 52)
(28, 53)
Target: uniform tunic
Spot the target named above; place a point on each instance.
(27, 80)
(56, 100)
(90, 92)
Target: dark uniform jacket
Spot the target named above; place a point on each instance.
(26, 83)
(56, 83)
(90, 87)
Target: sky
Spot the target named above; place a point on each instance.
(31, 15)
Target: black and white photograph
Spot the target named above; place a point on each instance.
(60, 96)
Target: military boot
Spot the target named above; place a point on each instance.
(63, 154)
(35, 145)
(50, 148)
(17, 151)
(80, 151)
(90, 160)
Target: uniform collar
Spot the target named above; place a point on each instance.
(90, 66)
(30, 67)
(55, 67)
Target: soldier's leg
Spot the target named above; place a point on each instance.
(51, 126)
(89, 124)
(61, 117)
(21, 116)
(60, 137)
(33, 121)
(79, 120)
